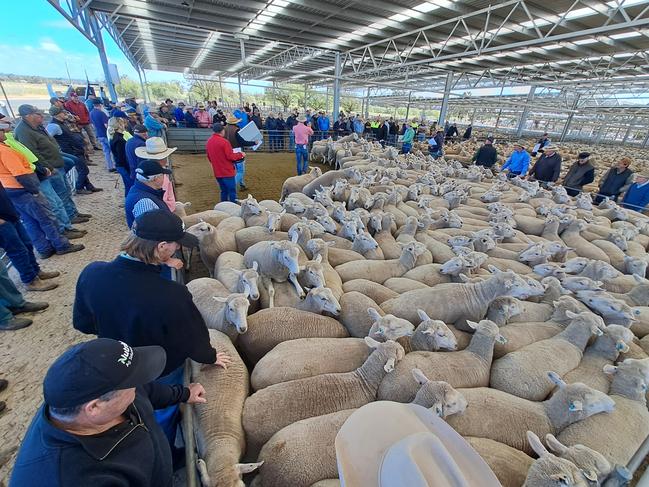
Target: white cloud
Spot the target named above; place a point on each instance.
(57, 24)
(50, 46)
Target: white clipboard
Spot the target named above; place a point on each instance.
(250, 133)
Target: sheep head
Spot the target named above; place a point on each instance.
(274, 220)
(432, 335)
(235, 310)
(502, 309)
(230, 476)
(201, 230)
(606, 305)
(287, 254)
(388, 327)
(575, 265)
(574, 402)
(249, 281)
(487, 328)
(312, 273)
(438, 396)
(549, 269)
(324, 300)
(327, 223)
(250, 206)
(593, 464)
(549, 469)
(577, 283)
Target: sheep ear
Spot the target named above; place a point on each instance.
(464, 278)
(555, 445)
(244, 468)
(493, 269)
(370, 342)
(535, 443)
(472, 324)
(571, 315)
(318, 258)
(188, 204)
(236, 271)
(610, 369)
(255, 265)
(220, 299)
(556, 378)
(422, 315)
(373, 314)
(639, 279)
(420, 377)
(330, 244)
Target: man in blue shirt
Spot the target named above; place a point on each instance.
(637, 196)
(140, 134)
(99, 120)
(518, 162)
(146, 193)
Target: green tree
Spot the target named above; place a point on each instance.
(349, 105)
(284, 98)
(128, 88)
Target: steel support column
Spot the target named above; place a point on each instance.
(327, 101)
(336, 87)
(305, 101)
(646, 140)
(239, 86)
(447, 94)
(498, 119)
(526, 110)
(566, 127)
(628, 130)
(473, 116)
(146, 98)
(367, 104)
(221, 90)
(146, 85)
(96, 31)
(408, 105)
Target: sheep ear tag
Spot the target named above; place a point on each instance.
(622, 347)
(590, 475)
(501, 339)
(576, 406)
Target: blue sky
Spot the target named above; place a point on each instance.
(48, 41)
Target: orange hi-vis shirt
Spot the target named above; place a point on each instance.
(12, 163)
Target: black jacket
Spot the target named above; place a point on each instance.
(547, 168)
(384, 131)
(7, 210)
(69, 141)
(133, 453)
(118, 149)
(128, 300)
(486, 156)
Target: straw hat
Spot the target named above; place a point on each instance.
(520, 143)
(551, 147)
(201, 106)
(301, 118)
(232, 120)
(390, 444)
(155, 148)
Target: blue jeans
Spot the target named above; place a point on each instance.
(241, 173)
(40, 223)
(302, 157)
(9, 295)
(126, 179)
(168, 417)
(405, 148)
(55, 205)
(228, 189)
(62, 188)
(16, 242)
(105, 146)
(82, 170)
(291, 140)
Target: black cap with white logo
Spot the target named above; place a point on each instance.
(90, 369)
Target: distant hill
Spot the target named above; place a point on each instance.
(26, 78)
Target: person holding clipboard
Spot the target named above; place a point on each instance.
(238, 143)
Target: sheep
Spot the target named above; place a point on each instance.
(304, 451)
(247, 237)
(387, 327)
(269, 410)
(518, 372)
(224, 313)
(638, 296)
(428, 274)
(509, 464)
(233, 209)
(579, 283)
(604, 350)
(592, 464)
(233, 274)
(519, 335)
(380, 271)
(454, 302)
(269, 327)
(364, 244)
(466, 368)
(295, 184)
(611, 309)
(318, 248)
(502, 417)
(354, 313)
(550, 471)
(213, 241)
(218, 430)
(501, 310)
(429, 336)
(318, 300)
(619, 434)
(401, 285)
(572, 238)
(276, 261)
(373, 290)
(212, 217)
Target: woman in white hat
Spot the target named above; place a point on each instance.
(157, 150)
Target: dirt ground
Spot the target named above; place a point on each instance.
(265, 174)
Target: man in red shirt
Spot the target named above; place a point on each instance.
(78, 108)
(222, 157)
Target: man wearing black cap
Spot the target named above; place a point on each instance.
(128, 299)
(486, 155)
(580, 173)
(96, 425)
(146, 194)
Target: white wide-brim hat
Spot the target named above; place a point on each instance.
(155, 148)
(390, 444)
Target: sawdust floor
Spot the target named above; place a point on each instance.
(265, 174)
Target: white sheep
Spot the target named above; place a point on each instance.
(380, 271)
(213, 241)
(231, 271)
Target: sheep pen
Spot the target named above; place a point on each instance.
(447, 249)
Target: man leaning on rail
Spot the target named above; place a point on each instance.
(96, 425)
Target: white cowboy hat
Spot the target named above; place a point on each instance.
(155, 148)
(390, 444)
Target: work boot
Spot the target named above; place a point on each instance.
(29, 307)
(47, 254)
(3, 384)
(79, 219)
(15, 324)
(84, 215)
(48, 275)
(96, 190)
(38, 285)
(71, 248)
(3, 406)
(83, 192)
(73, 234)
(91, 163)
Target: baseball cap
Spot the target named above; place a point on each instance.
(54, 111)
(584, 155)
(140, 129)
(149, 167)
(163, 226)
(97, 101)
(73, 94)
(217, 127)
(90, 369)
(54, 99)
(24, 110)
